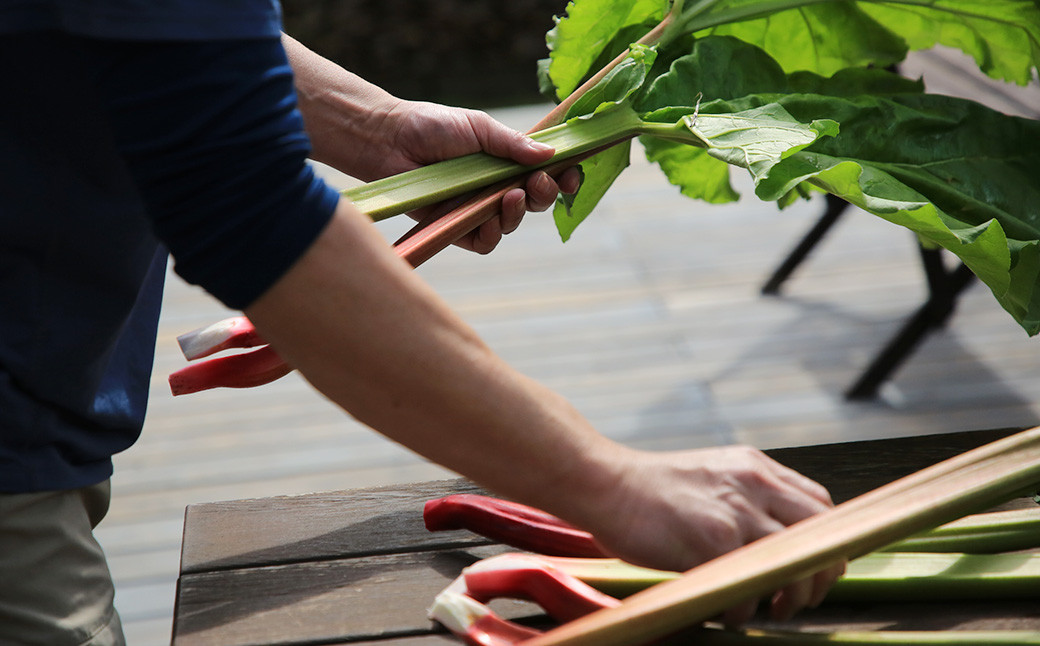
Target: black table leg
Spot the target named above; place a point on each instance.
(943, 286)
(835, 207)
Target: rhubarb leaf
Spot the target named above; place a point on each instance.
(757, 139)
(1003, 36)
(619, 85)
(956, 173)
(589, 27)
(697, 174)
(821, 38)
(598, 173)
(727, 68)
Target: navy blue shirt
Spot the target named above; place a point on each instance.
(128, 131)
(145, 19)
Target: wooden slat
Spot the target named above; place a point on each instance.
(286, 529)
(360, 566)
(379, 597)
(350, 599)
(851, 469)
(270, 531)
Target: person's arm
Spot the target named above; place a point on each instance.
(376, 340)
(217, 157)
(361, 130)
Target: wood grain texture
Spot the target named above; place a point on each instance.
(348, 599)
(385, 520)
(378, 598)
(851, 469)
(313, 527)
(358, 566)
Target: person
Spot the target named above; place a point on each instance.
(131, 131)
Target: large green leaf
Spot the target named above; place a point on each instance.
(600, 171)
(954, 172)
(821, 38)
(757, 139)
(589, 27)
(598, 174)
(697, 174)
(817, 35)
(727, 68)
(1003, 36)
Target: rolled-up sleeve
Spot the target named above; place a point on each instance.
(213, 138)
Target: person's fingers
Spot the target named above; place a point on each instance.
(808, 485)
(487, 236)
(500, 140)
(514, 207)
(569, 180)
(541, 192)
(807, 593)
(822, 582)
(789, 496)
(792, 598)
(737, 616)
(790, 505)
(756, 524)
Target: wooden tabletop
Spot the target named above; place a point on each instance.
(359, 566)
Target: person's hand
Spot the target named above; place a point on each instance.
(417, 133)
(674, 511)
(363, 131)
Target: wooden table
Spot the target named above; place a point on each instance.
(359, 567)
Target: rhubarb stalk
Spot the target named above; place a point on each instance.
(928, 498)
(511, 523)
(463, 220)
(879, 576)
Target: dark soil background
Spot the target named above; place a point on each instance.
(473, 53)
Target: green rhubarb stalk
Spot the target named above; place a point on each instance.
(441, 181)
(610, 124)
(987, 533)
(924, 576)
(879, 576)
(751, 637)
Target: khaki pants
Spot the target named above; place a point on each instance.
(55, 587)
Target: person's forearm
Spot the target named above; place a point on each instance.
(337, 105)
(371, 336)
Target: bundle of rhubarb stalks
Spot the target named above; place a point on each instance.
(919, 538)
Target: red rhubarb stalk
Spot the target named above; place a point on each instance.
(520, 576)
(511, 523)
(434, 234)
(475, 623)
(235, 332)
(245, 370)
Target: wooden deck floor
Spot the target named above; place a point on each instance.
(649, 320)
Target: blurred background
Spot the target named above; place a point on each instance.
(473, 53)
(650, 320)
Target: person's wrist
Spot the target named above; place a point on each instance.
(589, 491)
